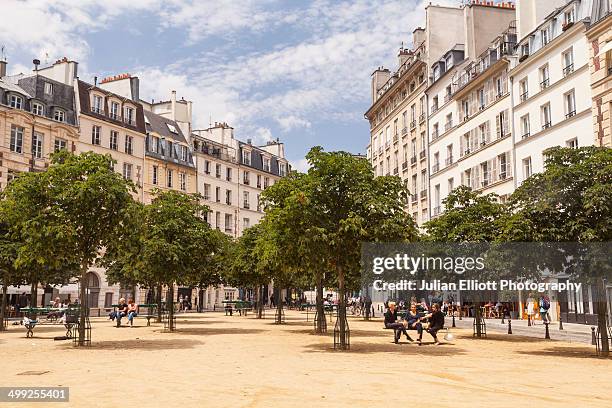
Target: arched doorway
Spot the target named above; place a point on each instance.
(93, 289)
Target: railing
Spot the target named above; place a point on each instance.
(448, 161)
(448, 126)
(435, 134)
(423, 194)
(414, 197)
(413, 160)
(570, 114)
(246, 205)
(447, 98)
(436, 211)
(525, 135)
(404, 130)
(435, 168)
(546, 125)
(405, 165)
(568, 70)
(524, 96)
(434, 108)
(545, 83)
(395, 138)
(396, 170)
(413, 124)
(422, 154)
(421, 118)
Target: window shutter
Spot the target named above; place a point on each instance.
(488, 130)
(461, 146)
(497, 126)
(505, 123)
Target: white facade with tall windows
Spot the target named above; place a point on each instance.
(551, 90)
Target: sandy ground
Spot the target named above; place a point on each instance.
(221, 361)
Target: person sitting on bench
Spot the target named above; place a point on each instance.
(132, 311)
(392, 323)
(121, 311)
(413, 317)
(436, 322)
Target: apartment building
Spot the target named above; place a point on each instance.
(551, 87)
(476, 150)
(599, 37)
(37, 117)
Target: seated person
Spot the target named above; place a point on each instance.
(392, 323)
(121, 311)
(56, 304)
(436, 322)
(413, 318)
(132, 311)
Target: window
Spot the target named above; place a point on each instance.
(266, 164)
(169, 178)
(218, 170)
(502, 124)
(572, 143)
(128, 144)
(114, 136)
(282, 169)
(525, 129)
(48, 88)
(246, 157)
(524, 90)
(524, 50)
(245, 223)
(434, 105)
(544, 77)
(17, 139)
(568, 62)
(206, 191)
(451, 184)
(246, 178)
(95, 135)
(228, 173)
(218, 220)
(206, 167)
(183, 181)
(228, 223)
(266, 182)
(526, 168)
(128, 115)
(436, 73)
(245, 200)
(96, 106)
(114, 112)
(258, 181)
(16, 102)
(60, 144)
(184, 153)
(545, 33)
(171, 128)
(37, 145)
(570, 103)
(481, 99)
(499, 86)
(155, 174)
(569, 17)
(609, 62)
(59, 115)
(38, 109)
(218, 194)
(127, 171)
(258, 203)
(545, 113)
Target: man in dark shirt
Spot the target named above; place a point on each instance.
(436, 322)
(392, 323)
(122, 310)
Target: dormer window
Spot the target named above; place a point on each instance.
(38, 108)
(246, 157)
(48, 88)
(569, 17)
(266, 164)
(128, 115)
(59, 115)
(184, 152)
(525, 50)
(448, 61)
(96, 106)
(282, 169)
(114, 111)
(436, 73)
(171, 128)
(545, 36)
(16, 101)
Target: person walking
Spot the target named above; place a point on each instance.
(544, 307)
(530, 310)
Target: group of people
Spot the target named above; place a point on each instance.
(129, 309)
(413, 320)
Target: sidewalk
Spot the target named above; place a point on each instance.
(572, 332)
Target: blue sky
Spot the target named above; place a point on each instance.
(299, 71)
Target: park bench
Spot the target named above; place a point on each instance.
(45, 318)
(149, 315)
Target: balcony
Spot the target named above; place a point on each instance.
(436, 211)
(422, 154)
(448, 161)
(447, 98)
(421, 118)
(448, 126)
(423, 194)
(434, 109)
(545, 83)
(395, 138)
(405, 165)
(435, 168)
(218, 175)
(396, 171)
(467, 151)
(546, 125)
(435, 134)
(246, 206)
(246, 182)
(414, 197)
(404, 130)
(570, 114)
(568, 70)
(387, 145)
(525, 135)
(413, 160)
(413, 124)
(524, 96)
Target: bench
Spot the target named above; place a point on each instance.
(149, 315)
(49, 316)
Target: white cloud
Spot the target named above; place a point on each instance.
(288, 123)
(301, 165)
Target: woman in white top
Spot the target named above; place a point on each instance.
(530, 310)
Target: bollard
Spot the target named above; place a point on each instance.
(454, 320)
(509, 326)
(547, 335)
(528, 321)
(503, 316)
(593, 339)
(560, 324)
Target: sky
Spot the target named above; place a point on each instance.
(294, 70)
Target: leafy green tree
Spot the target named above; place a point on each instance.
(8, 273)
(570, 201)
(67, 215)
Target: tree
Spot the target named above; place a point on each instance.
(67, 215)
(8, 272)
(468, 217)
(570, 201)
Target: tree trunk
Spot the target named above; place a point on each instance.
(321, 322)
(258, 302)
(3, 307)
(170, 306)
(602, 324)
(159, 303)
(478, 318)
(83, 302)
(279, 307)
(342, 309)
(34, 294)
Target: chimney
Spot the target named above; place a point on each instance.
(3, 64)
(173, 106)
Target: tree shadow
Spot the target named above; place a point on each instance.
(566, 352)
(427, 349)
(196, 322)
(508, 338)
(146, 345)
(217, 331)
